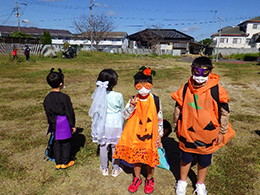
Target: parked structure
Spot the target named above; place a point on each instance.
(243, 36)
(163, 39)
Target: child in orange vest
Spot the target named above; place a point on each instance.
(143, 130)
(201, 120)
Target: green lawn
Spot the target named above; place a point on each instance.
(23, 125)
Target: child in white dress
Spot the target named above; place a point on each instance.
(106, 112)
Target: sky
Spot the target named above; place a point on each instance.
(199, 19)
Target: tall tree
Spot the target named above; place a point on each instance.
(46, 38)
(101, 26)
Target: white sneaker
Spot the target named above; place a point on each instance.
(200, 189)
(104, 171)
(116, 172)
(181, 187)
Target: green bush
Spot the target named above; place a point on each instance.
(245, 57)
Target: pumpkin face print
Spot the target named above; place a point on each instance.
(145, 136)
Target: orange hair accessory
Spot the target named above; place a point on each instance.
(147, 71)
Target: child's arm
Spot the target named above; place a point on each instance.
(129, 108)
(160, 126)
(160, 120)
(176, 115)
(223, 122)
(70, 113)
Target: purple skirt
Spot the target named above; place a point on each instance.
(63, 130)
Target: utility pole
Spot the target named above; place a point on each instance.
(91, 24)
(17, 15)
(219, 34)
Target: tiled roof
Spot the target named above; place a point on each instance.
(109, 35)
(36, 31)
(163, 33)
(231, 31)
(253, 20)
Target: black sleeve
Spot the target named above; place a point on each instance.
(69, 111)
(225, 106)
(47, 107)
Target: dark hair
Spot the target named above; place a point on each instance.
(54, 79)
(167, 125)
(139, 77)
(202, 61)
(144, 75)
(108, 75)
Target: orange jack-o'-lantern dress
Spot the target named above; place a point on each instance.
(198, 125)
(137, 142)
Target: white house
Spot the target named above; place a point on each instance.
(111, 40)
(242, 36)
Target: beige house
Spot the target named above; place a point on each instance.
(242, 36)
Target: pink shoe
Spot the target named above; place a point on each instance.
(134, 185)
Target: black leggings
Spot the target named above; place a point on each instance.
(62, 151)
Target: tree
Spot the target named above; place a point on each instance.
(46, 38)
(101, 26)
(20, 34)
(206, 41)
(153, 36)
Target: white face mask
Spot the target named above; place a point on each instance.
(144, 91)
(200, 79)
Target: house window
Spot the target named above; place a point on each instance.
(236, 40)
(223, 40)
(254, 26)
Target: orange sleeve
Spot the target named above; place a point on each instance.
(178, 95)
(223, 95)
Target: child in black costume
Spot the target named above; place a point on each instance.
(61, 119)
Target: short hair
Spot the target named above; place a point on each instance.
(202, 61)
(54, 79)
(109, 75)
(140, 77)
(144, 75)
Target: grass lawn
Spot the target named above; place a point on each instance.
(235, 169)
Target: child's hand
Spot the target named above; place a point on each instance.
(74, 129)
(133, 101)
(158, 142)
(219, 139)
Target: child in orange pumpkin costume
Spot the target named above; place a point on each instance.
(142, 133)
(201, 120)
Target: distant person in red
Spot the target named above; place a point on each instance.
(15, 53)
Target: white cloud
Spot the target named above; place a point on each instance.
(191, 29)
(111, 13)
(27, 22)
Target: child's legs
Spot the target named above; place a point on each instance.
(65, 151)
(203, 163)
(57, 152)
(202, 172)
(103, 156)
(137, 170)
(150, 172)
(115, 162)
(186, 160)
(185, 168)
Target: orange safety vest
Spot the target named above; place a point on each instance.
(137, 142)
(198, 125)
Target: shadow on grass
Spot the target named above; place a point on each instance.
(173, 155)
(257, 132)
(77, 141)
